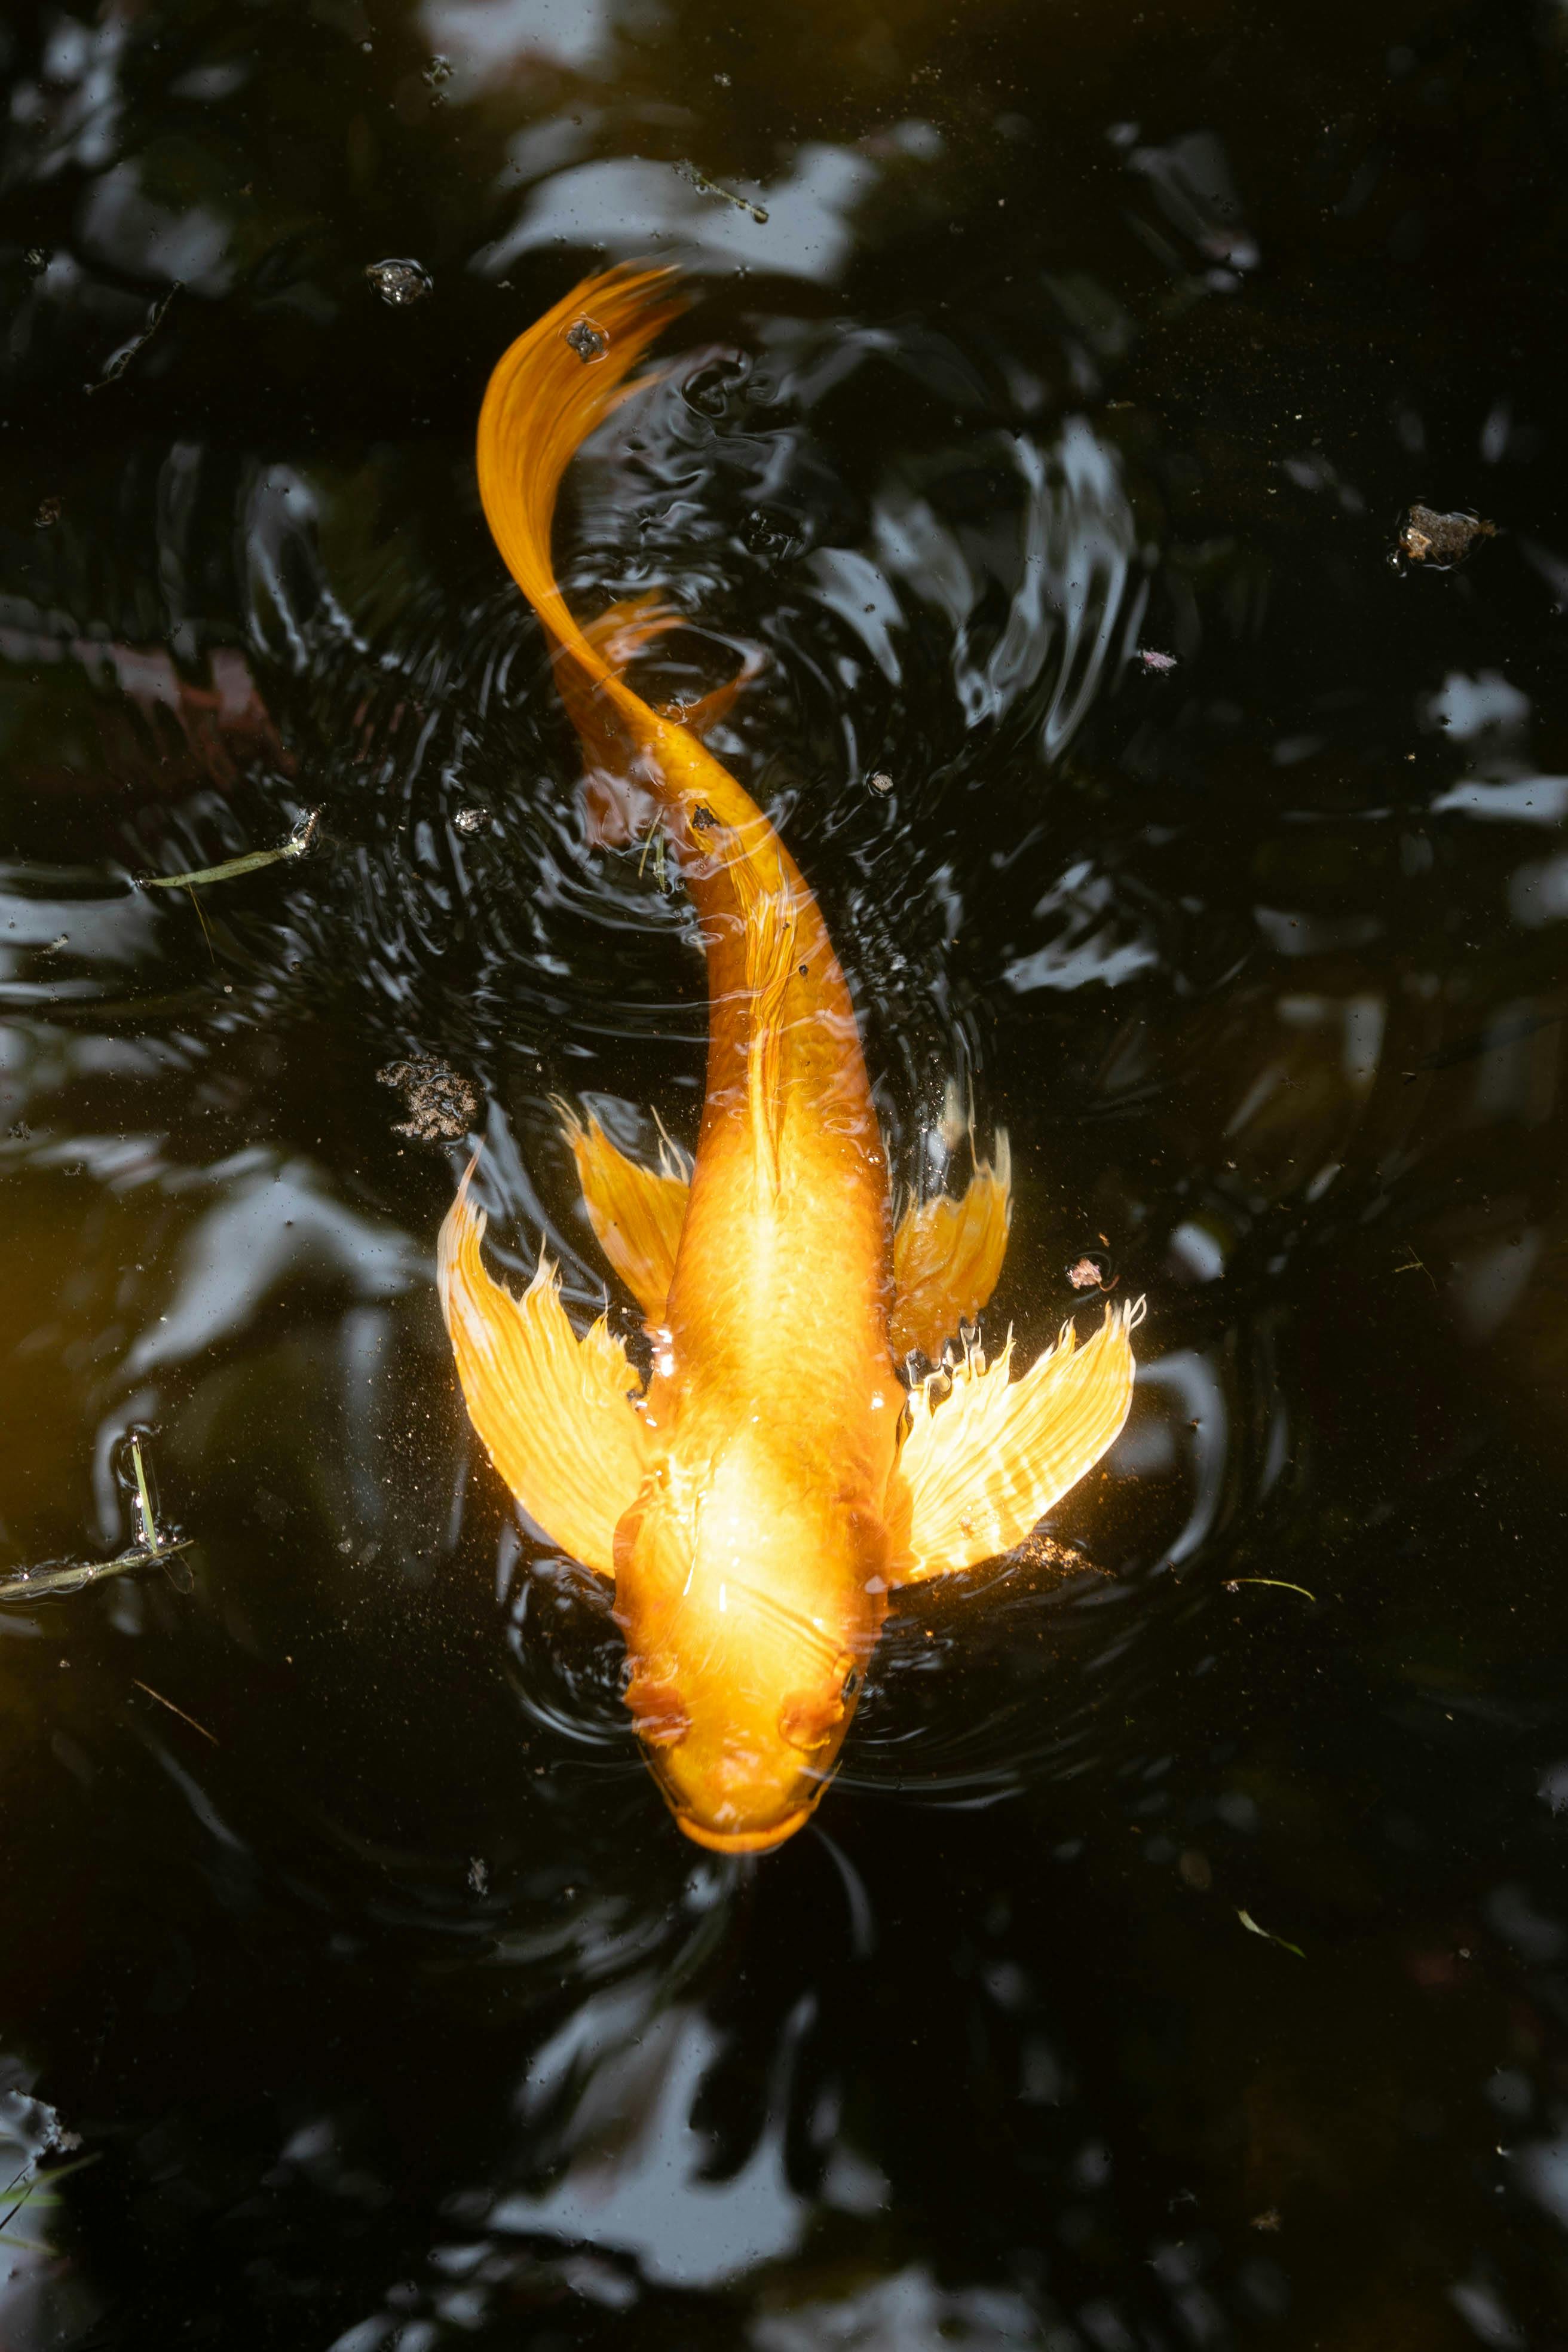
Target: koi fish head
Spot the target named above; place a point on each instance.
(748, 1634)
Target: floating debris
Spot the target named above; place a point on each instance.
(881, 782)
(1413, 1264)
(114, 367)
(654, 840)
(707, 188)
(31, 2188)
(436, 77)
(177, 1710)
(479, 1876)
(1086, 1275)
(442, 1107)
(150, 1550)
(1441, 539)
(35, 261)
(1267, 2219)
(147, 1525)
(400, 282)
(48, 512)
(1281, 1584)
(471, 820)
(772, 536)
(1045, 1552)
(590, 343)
(1161, 665)
(298, 843)
(1252, 1928)
(52, 1583)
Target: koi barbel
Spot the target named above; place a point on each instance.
(756, 1506)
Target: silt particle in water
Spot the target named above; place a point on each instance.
(400, 282)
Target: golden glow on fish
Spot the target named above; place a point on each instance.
(755, 1507)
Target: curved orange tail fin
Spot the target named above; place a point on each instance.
(547, 394)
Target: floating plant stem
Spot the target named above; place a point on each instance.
(177, 1710)
(49, 1583)
(39, 2191)
(150, 1550)
(149, 1521)
(1281, 1584)
(1252, 1928)
(654, 841)
(707, 188)
(298, 843)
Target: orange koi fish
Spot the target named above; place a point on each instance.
(758, 1504)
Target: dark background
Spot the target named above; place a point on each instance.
(386, 2001)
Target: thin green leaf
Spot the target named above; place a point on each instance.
(149, 1521)
(1252, 1928)
(298, 843)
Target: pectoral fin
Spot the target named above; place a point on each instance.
(636, 1215)
(947, 1256)
(551, 1409)
(979, 1470)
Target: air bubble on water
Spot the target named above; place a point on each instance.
(400, 282)
(590, 343)
(769, 536)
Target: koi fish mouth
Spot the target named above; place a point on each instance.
(758, 1841)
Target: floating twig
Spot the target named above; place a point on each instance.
(177, 1710)
(1252, 1928)
(29, 1584)
(298, 843)
(150, 1550)
(1416, 1266)
(1281, 1584)
(707, 188)
(114, 367)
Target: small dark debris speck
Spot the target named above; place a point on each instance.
(399, 282)
(703, 820)
(48, 512)
(880, 782)
(442, 1107)
(589, 342)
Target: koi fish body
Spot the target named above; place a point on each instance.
(755, 1507)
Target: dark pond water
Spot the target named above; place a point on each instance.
(1052, 437)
